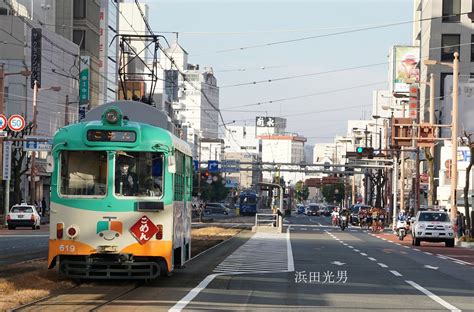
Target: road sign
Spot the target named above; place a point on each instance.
(196, 165)
(16, 123)
(231, 183)
(3, 122)
(37, 143)
(230, 165)
(213, 166)
(7, 158)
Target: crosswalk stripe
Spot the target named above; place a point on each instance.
(262, 252)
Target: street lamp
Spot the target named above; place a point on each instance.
(36, 90)
(25, 73)
(454, 129)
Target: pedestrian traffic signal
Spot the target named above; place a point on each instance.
(367, 152)
(426, 136)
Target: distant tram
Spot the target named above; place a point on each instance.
(248, 202)
(120, 195)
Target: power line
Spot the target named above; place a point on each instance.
(330, 34)
(310, 95)
(302, 75)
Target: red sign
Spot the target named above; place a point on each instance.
(3, 122)
(143, 230)
(16, 122)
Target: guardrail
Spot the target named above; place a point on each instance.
(269, 219)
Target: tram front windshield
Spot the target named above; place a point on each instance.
(139, 174)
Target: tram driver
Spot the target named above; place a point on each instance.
(126, 182)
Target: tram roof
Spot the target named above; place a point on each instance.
(135, 111)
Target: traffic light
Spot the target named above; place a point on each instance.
(205, 174)
(426, 137)
(367, 152)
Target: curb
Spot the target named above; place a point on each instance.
(466, 245)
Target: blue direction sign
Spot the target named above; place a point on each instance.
(213, 166)
(196, 165)
(230, 165)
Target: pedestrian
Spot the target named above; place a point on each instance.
(43, 206)
(459, 224)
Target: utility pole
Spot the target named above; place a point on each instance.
(454, 138)
(33, 153)
(66, 111)
(432, 148)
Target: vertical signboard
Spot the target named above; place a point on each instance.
(413, 101)
(36, 36)
(405, 67)
(84, 77)
(7, 155)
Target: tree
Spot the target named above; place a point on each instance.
(212, 192)
(302, 191)
(20, 160)
(469, 142)
(333, 192)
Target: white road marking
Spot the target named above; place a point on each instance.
(406, 247)
(428, 253)
(434, 297)
(289, 252)
(372, 259)
(363, 254)
(337, 263)
(350, 246)
(398, 244)
(383, 265)
(416, 249)
(431, 267)
(356, 250)
(458, 260)
(395, 273)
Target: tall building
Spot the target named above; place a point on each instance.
(438, 38)
(283, 148)
(92, 26)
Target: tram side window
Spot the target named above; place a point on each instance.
(83, 173)
(139, 174)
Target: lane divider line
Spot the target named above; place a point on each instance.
(382, 265)
(395, 273)
(434, 297)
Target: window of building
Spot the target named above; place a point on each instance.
(79, 9)
(3, 11)
(451, 11)
(79, 38)
(450, 44)
(442, 83)
(472, 48)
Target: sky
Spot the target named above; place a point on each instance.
(231, 36)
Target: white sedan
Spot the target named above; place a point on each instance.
(23, 215)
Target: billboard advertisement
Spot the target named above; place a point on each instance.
(405, 67)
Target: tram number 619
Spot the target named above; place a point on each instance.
(67, 248)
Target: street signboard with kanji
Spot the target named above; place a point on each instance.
(16, 123)
(7, 155)
(230, 165)
(143, 230)
(265, 121)
(36, 37)
(213, 166)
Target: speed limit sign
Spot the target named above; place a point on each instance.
(16, 123)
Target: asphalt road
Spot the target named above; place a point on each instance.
(23, 244)
(314, 267)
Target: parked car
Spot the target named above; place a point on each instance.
(23, 215)
(328, 209)
(300, 209)
(216, 208)
(313, 210)
(432, 226)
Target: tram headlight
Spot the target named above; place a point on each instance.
(72, 231)
(112, 116)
